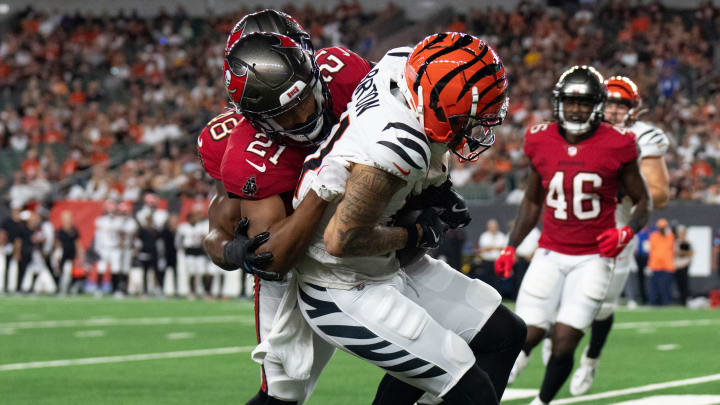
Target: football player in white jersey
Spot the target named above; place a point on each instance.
(107, 246)
(190, 235)
(425, 324)
(622, 109)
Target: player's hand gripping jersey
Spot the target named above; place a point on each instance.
(213, 139)
(254, 167)
(581, 182)
(379, 130)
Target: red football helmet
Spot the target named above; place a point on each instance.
(457, 86)
(622, 90)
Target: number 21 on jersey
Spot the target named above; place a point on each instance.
(557, 200)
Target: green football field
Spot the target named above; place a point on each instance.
(132, 351)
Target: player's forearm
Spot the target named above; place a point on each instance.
(364, 241)
(290, 237)
(214, 245)
(660, 196)
(354, 229)
(654, 171)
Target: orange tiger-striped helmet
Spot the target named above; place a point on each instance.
(456, 84)
(622, 90)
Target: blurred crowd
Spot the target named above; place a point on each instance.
(673, 56)
(140, 250)
(120, 98)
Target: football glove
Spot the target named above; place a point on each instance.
(613, 240)
(240, 253)
(504, 263)
(450, 205)
(433, 230)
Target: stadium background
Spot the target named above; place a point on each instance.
(98, 102)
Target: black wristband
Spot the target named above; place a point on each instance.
(413, 235)
(232, 255)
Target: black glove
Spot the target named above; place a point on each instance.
(240, 253)
(433, 230)
(449, 204)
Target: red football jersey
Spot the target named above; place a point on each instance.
(580, 182)
(253, 167)
(342, 70)
(213, 139)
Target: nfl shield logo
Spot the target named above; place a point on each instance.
(572, 150)
(250, 187)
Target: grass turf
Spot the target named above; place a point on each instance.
(121, 327)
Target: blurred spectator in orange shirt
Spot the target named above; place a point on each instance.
(661, 263)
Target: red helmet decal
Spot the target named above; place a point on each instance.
(234, 82)
(285, 41)
(236, 34)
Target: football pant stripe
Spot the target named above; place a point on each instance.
(400, 152)
(399, 54)
(366, 351)
(350, 332)
(412, 367)
(435, 371)
(321, 307)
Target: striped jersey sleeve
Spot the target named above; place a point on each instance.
(652, 141)
(402, 150)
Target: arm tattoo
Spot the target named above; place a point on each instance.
(367, 194)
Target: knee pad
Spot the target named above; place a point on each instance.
(606, 309)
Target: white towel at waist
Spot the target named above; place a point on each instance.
(290, 341)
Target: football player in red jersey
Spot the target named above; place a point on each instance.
(224, 214)
(289, 101)
(577, 165)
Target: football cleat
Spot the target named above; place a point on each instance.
(520, 363)
(584, 376)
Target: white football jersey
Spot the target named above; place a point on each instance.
(107, 233)
(378, 129)
(128, 228)
(191, 236)
(653, 142)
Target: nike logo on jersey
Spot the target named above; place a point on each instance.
(455, 209)
(200, 141)
(261, 169)
(405, 172)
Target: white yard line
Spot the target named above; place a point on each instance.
(636, 390)
(248, 320)
(123, 359)
(668, 324)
